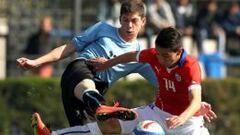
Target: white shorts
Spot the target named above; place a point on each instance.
(193, 126)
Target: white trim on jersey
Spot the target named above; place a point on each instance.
(138, 55)
(194, 87)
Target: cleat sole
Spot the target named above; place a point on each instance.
(122, 115)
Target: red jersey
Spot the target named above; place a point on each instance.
(174, 83)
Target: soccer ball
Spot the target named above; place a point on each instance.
(148, 127)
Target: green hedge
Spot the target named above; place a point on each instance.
(23, 96)
(20, 97)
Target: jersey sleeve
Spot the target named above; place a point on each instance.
(88, 36)
(146, 55)
(146, 72)
(194, 76)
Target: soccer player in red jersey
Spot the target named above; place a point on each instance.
(179, 77)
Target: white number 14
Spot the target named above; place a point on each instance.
(169, 85)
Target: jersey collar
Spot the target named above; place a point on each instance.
(180, 62)
(182, 58)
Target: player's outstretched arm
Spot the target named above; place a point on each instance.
(54, 55)
(101, 64)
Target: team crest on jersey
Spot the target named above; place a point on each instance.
(178, 77)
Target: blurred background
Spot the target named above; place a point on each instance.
(210, 28)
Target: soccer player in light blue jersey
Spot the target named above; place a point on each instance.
(82, 87)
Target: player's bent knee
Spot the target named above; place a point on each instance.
(82, 86)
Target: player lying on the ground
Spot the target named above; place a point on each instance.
(40, 128)
(179, 98)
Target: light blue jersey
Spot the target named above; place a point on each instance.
(103, 40)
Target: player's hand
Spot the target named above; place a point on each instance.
(206, 111)
(210, 115)
(26, 63)
(175, 121)
(99, 63)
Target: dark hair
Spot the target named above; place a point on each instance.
(133, 6)
(169, 38)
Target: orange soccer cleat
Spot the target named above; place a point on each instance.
(104, 112)
(39, 127)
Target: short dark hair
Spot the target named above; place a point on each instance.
(169, 38)
(133, 6)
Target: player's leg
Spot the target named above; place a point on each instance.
(193, 126)
(204, 131)
(144, 113)
(110, 126)
(187, 128)
(39, 128)
(74, 108)
(88, 129)
(95, 103)
(86, 91)
(80, 76)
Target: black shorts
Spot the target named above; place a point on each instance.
(77, 71)
(74, 108)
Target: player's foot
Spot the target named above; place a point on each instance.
(39, 127)
(104, 112)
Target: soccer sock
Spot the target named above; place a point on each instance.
(92, 99)
(89, 129)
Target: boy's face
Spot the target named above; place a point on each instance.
(167, 57)
(131, 24)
